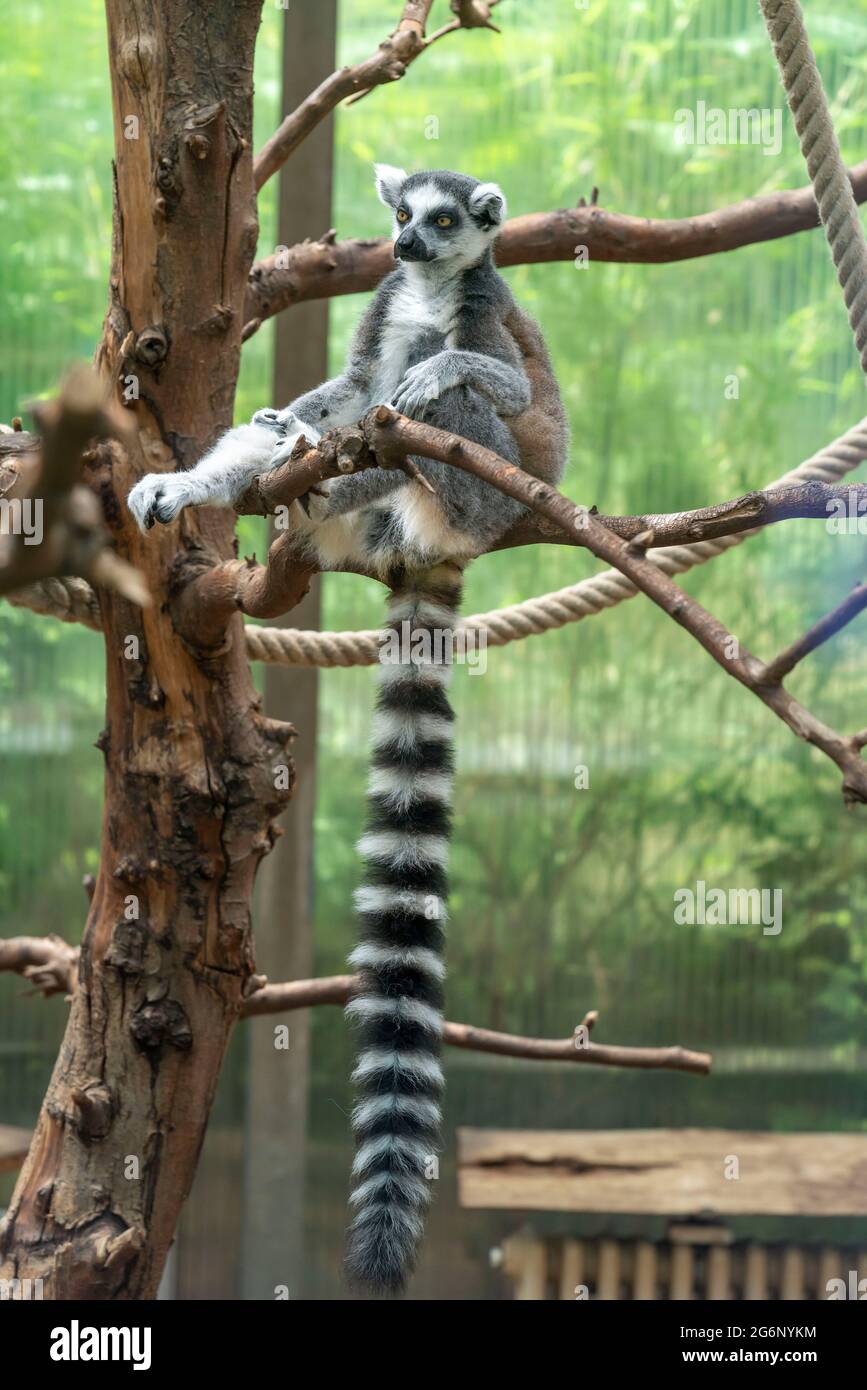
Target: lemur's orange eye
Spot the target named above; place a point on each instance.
(402, 215)
(444, 221)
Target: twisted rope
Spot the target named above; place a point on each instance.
(73, 600)
(812, 116)
(69, 599)
(294, 647)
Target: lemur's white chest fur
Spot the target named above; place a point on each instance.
(424, 305)
(420, 306)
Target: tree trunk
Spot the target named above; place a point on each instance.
(194, 772)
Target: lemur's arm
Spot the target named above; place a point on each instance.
(342, 400)
(505, 385)
(484, 356)
(227, 470)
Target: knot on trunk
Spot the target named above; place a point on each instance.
(94, 1110)
(151, 345)
(163, 1021)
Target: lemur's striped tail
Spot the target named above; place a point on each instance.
(402, 913)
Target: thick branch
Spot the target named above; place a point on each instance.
(190, 785)
(303, 994)
(387, 64)
(751, 510)
(326, 268)
(206, 597)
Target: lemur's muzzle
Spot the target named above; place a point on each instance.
(410, 247)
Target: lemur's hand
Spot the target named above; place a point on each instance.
(423, 383)
(160, 496)
(217, 480)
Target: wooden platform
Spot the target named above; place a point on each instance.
(691, 1263)
(669, 1172)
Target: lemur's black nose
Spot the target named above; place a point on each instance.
(410, 247)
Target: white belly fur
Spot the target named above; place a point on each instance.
(423, 525)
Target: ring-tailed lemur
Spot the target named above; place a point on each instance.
(442, 341)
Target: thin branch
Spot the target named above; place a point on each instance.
(49, 963)
(476, 16)
(390, 434)
(820, 632)
(349, 448)
(50, 524)
(473, 14)
(327, 268)
(303, 994)
(388, 64)
(748, 512)
(390, 438)
(346, 449)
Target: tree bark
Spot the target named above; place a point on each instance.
(194, 772)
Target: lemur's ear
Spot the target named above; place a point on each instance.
(488, 204)
(389, 182)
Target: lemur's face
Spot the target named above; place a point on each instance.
(441, 216)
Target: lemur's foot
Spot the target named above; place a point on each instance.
(309, 510)
(160, 496)
(269, 419)
(292, 430)
(313, 505)
(315, 502)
